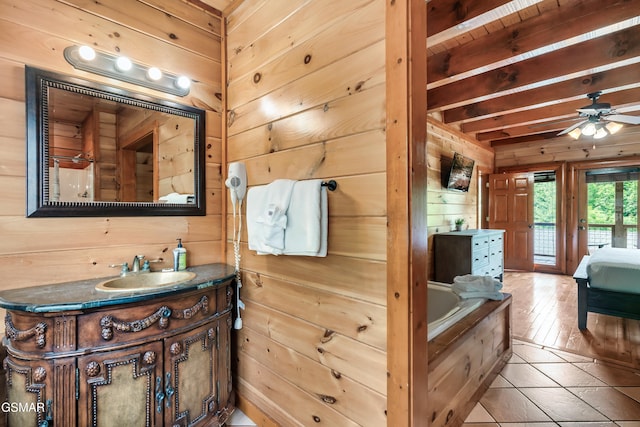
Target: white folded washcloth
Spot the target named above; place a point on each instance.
(498, 296)
(474, 283)
(307, 220)
(267, 207)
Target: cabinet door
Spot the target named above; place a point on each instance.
(122, 388)
(191, 363)
(29, 385)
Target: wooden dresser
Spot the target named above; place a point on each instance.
(477, 252)
(81, 357)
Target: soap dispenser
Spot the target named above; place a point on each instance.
(179, 257)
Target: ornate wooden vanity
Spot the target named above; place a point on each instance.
(82, 357)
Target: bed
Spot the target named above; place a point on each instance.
(609, 283)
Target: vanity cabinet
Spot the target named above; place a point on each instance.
(477, 252)
(164, 361)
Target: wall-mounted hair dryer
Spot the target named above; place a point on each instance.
(237, 183)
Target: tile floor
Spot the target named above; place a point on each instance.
(239, 419)
(542, 387)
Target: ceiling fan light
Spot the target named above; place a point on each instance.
(589, 129)
(600, 133)
(575, 134)
(613, 127)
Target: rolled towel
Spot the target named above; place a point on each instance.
(473, 283)
(498, 296)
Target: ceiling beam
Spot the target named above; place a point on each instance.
(511, 43)
(606, 81)
(445, 14)
(618, 46)
(620, 99)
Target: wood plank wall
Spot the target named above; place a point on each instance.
(619, 150)
(172, 35)
(444, 206)
(306, 99)
(625, 143)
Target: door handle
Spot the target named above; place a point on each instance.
(168, 389)
(582, 228)
(159, 394)
(531, 226)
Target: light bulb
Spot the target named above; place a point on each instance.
(183, 82)
(154, 73)
(87, 53)
(600, 133)
(589, 129)
(613, 127)
(575, 134)
(123, 63)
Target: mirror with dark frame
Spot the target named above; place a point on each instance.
(95, 150)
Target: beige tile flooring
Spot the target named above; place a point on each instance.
(544, 387)
(239, 419)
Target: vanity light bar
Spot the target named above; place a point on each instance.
(115, 67)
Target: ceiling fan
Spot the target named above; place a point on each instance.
(601, 120)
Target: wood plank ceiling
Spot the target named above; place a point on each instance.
(514, 71)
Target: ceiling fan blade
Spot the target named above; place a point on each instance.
(572, 127)
(588, 111)
(622, 118)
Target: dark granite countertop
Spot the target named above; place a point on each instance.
(82, 294)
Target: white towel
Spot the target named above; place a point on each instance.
(472, 283)
(267, 207)
(498, 296)
(307, 220)
(470, 286)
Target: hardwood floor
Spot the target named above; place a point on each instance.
(545, 312)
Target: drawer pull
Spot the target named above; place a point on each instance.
(14, 334)
(160, 316)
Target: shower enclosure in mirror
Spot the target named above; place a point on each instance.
(94, 150)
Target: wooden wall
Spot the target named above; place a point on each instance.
(306, 99)
(169, 34)
(625, 143)
(573, 157)
(444, 206)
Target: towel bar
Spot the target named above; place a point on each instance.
(331, 185)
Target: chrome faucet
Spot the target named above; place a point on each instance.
(136, 263)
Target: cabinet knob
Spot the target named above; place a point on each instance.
(92, 369)
(175, 348)
(149, 357)
(39, 374)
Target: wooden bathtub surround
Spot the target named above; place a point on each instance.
(465, 359)
(160, 361)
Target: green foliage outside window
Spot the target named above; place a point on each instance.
(544, 207)
(601, 202)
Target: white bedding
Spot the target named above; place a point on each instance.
(615, 269)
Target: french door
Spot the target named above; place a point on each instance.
(511, 210)
(608, 209)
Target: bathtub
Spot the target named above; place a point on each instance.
(469, 344)
(445, 308)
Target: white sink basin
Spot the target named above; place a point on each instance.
(145, 281)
